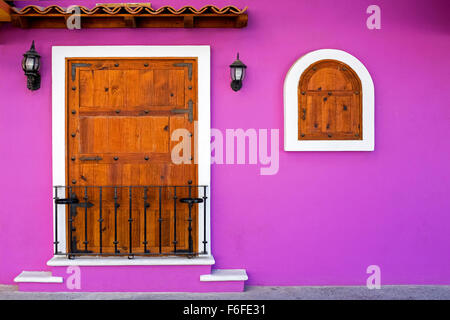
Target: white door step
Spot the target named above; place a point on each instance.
(38, 277)
(225, 275)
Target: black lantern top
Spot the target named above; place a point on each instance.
(31, 60)
(238, 70)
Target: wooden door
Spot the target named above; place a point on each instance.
(120, 117)
(330, 102)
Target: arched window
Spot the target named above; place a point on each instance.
(329, 104)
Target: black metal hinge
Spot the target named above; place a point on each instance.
(189, 111)
(189, 65)
(75, 66)
(96, 158)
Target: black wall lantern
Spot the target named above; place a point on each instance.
(237, 74)
(31, 64)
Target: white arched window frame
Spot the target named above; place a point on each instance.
(291, 142)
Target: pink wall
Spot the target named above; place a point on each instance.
(325, 216)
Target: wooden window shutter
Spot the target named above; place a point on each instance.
(330, 102)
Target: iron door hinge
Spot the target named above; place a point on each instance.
(188, 65)
(189, 111)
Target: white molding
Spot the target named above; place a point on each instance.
(291, 142)
(60, 53)
(225, 275)
(38, 277)
(61, 261)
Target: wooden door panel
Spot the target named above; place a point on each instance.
(131, 89)
(139, 85)
(121, 114)
(329, 115)
(330, 75)
(95, 89)
(344, 109)
(142, 134)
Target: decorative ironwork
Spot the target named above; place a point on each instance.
(78, 65)
(188, 65)
(189, 111)
(84, 198)
(96, 158)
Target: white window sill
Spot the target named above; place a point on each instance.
(61, 261)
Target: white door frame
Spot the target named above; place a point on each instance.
(59, 55)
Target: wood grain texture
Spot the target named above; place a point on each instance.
(120, 110)
(330, 102)
(5, 12)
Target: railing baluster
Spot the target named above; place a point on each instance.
(146, 205)
(85, 220)
(175, 219)
(56, 221)
(160, 222)
(191, 244)
(70, 225)
(116, 205)
(100, 220)
(130, 220)
(204, 220)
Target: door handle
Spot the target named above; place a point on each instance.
(96, 158)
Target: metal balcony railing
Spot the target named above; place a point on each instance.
(131, 220)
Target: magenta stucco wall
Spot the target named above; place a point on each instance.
(325, 216)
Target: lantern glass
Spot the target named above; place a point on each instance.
(37, 63)
(233, 73)
(28, 64)
(237, 73)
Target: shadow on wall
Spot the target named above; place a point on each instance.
(425, 15)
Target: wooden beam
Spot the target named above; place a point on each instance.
(5, 12)
(241, 21)
(130, 21)
(188, 21)
(20, 21)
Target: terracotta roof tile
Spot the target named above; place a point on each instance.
(130, 9)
